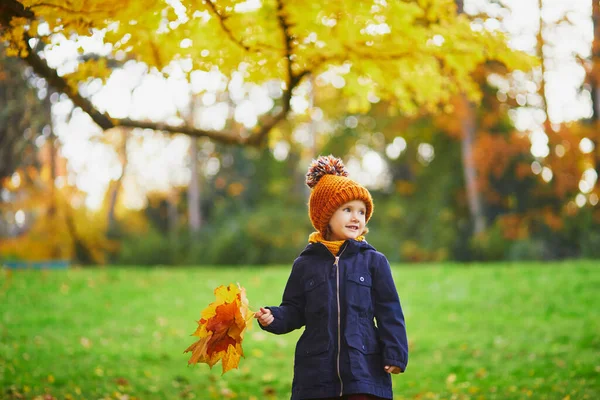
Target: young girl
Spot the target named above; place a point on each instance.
(339, 286)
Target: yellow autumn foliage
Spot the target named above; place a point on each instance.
(415, 55)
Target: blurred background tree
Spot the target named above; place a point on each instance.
(205, 117)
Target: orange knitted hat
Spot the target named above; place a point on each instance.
(327, 177)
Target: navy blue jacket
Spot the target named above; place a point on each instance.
(342, 350)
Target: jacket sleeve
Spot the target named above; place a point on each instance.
(389, 316)
(290, 314)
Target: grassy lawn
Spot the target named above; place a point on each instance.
(496, 331)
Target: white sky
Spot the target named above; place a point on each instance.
(160, 162)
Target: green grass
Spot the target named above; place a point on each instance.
(496, 331)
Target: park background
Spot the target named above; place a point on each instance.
(151, 151)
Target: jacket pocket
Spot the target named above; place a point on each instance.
(366, 344)
(311, 362)
(358, 291)
(312, 346)
(313, 283)
(315, 292)
(362, 279)
(364, 351)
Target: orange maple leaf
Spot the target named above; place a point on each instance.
(221, 329)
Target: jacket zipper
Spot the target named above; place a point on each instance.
(339, 321)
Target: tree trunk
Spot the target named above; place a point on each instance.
(469, 131)
(117, 186)
(82, 254)
(595, 81)
(595, 73)
(195, 218)
(52, 206)
(52, 213)
(173, 217)
(194, 214)
(540, 53)
(475, 201)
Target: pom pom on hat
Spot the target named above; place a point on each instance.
(324, 165)
(330, 188)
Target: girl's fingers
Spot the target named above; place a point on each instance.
(264, 316)
(265, 311)
(392, 369)
(261, 312)
(266, 320)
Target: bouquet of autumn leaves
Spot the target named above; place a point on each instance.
(221, 329)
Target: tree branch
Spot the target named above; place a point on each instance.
(225, 28)
(291, 79)
(105, 122)
(222, 18)
(287, 39)
(68, 10)
(12, 8)
(41, 68)
(225, 137)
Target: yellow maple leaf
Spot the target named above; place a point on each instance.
(221, 329)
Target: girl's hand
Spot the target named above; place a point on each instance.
(265, 316)
(392, 369)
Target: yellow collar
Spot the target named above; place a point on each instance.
(332, 245)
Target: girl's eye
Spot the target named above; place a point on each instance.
(362, 212)
(347, 209)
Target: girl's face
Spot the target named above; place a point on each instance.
(348, 221)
